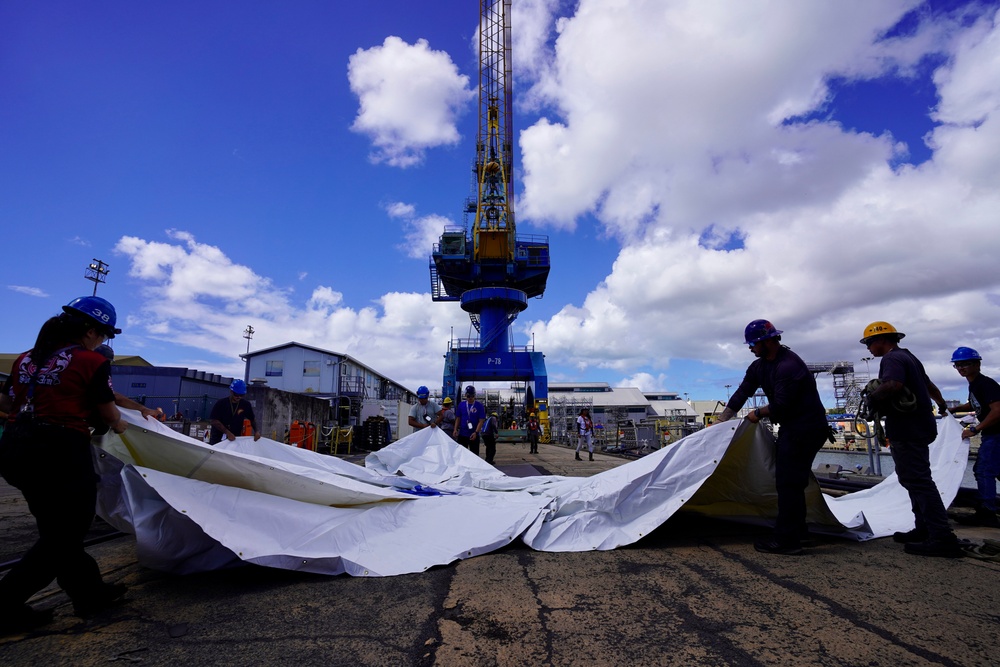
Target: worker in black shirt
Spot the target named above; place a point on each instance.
(903, 397)
(984, 400)
(229, 413)
(794, 404)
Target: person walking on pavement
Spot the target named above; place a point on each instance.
(903, 396)
(490, 429)
(52, 394)
(793, 404)
(228, 415)
(585, 433)
(469, 417)
(533, 432)
(984, 399)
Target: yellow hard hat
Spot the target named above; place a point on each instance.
(447, 400)
(532, 414)
(878, 329)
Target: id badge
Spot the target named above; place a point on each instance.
(468, 425)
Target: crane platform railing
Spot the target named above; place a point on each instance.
(474, 345)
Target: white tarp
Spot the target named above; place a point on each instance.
(425, 501)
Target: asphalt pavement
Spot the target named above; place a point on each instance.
(694, 592)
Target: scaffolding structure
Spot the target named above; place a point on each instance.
(562, 418)
(847, 383)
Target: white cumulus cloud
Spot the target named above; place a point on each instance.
(410, 98)
(682, 135)
(197, 296)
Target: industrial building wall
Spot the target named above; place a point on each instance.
(137, 381)
(171, 389)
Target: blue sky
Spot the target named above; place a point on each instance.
(695, 165)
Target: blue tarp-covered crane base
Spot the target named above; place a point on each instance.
(424, 501)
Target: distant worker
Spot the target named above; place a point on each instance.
(491, 427)
(534, 429)
(54, 391)
(425, 412)
(229, 413)
(793, 403)
(903, 397)
(447, 414)
(984, 399)
(585, 433)
(469, 417)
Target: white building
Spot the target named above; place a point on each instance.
(668, 405)
(354, 389)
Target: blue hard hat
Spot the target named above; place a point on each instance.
(759, 330)
(238, 387)
(470, 391)
(423, 392)
(965, 354)
(97, 309)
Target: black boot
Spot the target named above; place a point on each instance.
(578, 456)
(911, 536)
(784, 547)
(982, 517)
(592, 456)
(942, 548)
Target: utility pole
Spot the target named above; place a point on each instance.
(727, 392)
(248, 334)
(96, 272)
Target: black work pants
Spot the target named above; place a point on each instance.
(795, 451)
(470, 443)
(52, 467)
(913, 469)
(491, 446)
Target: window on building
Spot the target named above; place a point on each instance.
(310, 369)
(274, 368)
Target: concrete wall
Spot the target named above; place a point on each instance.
(276, 409)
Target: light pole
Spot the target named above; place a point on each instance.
(868, 369)
(96, 272)
(248, 334)
(727, 392)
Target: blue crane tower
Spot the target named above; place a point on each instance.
(486, 266)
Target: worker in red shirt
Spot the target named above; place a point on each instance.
(54, 391)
